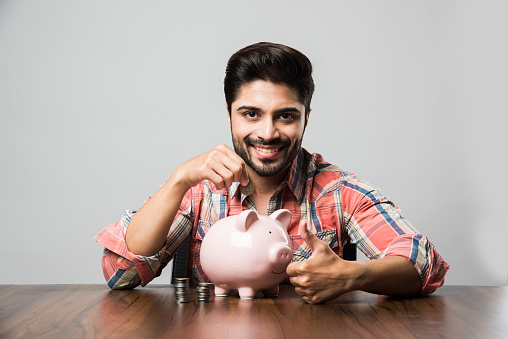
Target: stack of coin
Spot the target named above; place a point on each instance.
(204, 292)
(182, 290)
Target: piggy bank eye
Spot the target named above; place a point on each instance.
(270, 232)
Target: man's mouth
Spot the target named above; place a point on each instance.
(267, 150)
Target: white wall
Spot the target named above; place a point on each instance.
(101, 100)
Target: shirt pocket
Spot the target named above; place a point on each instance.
(301, 250)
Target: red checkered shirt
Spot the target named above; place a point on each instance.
(339, 207)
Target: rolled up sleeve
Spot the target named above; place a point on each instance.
(123, 269)
(378, 228)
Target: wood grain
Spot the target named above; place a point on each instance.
(94, 311)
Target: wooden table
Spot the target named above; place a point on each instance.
(94, 311)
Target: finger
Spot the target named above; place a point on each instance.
(225, 174)
(237, 167)
(243, 176)
(306, 234)
(299, 280)
(310, 238)
(301, 292)
(223, 161)
(294, 281)
(310, 299)
(216, 178)
(302, 228)
(291, 269)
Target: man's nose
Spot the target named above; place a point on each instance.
(267, 130)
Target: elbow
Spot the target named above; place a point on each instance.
(114, 286)
(436, 276)
(117, 278)
(123, 280)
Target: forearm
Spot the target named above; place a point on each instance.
(149, 227)
(392, 275)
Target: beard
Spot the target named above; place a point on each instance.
(268, 167)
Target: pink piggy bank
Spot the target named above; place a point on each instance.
(247, 252)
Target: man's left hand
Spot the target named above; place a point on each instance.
(322, 277)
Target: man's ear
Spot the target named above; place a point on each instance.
(307, 115)
(229, 114)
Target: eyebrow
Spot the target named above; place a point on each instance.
(281, 110)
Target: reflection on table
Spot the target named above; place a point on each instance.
(67, 311)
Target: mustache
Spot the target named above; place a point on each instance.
(274, 142)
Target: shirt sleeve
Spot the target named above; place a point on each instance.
(378, 228)
(123, 269)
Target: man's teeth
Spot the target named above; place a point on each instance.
(267, 150)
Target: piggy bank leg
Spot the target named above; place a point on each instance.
(247, 292)
(221, 291)
(271, 292)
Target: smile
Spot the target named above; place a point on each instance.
(267, 150)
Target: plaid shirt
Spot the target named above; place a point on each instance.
(338, 206)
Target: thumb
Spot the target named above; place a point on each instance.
(310, 238)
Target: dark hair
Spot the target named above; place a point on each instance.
(272, 62)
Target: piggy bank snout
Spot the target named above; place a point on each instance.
(281, 255)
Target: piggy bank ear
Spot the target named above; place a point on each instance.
(283, 217)
(245, 219)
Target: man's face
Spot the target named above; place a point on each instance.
(267, 125)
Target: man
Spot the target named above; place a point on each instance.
(268, 89)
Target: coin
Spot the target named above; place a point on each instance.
(204, 292)
(182, 290)
(247, 190)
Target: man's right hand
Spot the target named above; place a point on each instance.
(150, 225)
(221, 165)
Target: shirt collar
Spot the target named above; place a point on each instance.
(296, 180)
(297, 177)
(233, 189)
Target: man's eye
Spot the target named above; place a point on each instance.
(250, 114)
(286, 116)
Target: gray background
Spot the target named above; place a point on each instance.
(101, 100)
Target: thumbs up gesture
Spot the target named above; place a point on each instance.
(322, 277)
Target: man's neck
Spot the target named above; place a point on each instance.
(265, 186)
